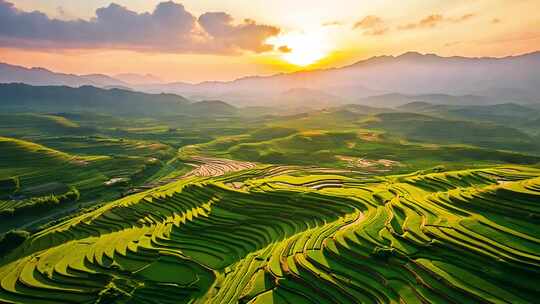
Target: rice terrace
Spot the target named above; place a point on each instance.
(235, 152)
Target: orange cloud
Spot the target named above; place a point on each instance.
(377, 31)
(435, 20)
(372, 25)
(368, 22)
(285, 49)
(462, 18)
(169, 28)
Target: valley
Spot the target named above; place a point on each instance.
(182, 156)
(345, 204)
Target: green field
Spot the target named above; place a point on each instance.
(273, 234)
(353, 204)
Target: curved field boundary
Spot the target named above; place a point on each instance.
(466, 236)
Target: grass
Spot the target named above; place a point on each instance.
(42, 171)
(332, 206)
(419, 127)
(333, 148)
(403, 238)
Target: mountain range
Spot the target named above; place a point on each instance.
(381, 81)
(137, 79)
(41, 76)
(17, 98)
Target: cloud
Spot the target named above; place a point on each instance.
(332, 23)
(285, 49)
(429, 21)
(435, 20)
(372, 25)
(247, 36)
(377, 31)
(462, 18)
(169, 28)
(368, 22)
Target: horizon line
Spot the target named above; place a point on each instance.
(304, 70)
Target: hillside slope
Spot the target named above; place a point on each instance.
(425, 128)
(275, 235)
(37, 166)
(25, 98)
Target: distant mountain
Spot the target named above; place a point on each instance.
(26, 98)
(137, 79)
(416, 106)
(307, 98)
(414, 73)
(211, 107)
(101, 80)
(513, 110)
(441, 80)
(118, 87)
(363, 109)
(513, 115)
(397, 100)
(40, 76)
(471, 80)
(509, 110)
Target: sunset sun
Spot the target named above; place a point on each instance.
(302, 49)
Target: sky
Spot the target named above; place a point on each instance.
(200, 40)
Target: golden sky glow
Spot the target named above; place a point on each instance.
(312, 34)
(303, 48)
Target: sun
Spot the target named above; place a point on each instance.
(302, 49)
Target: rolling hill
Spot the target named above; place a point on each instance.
(275, 234)
(523, 117)
(44, 99)
(371, 151)
(211, 108)
(36, 165)
(396, 100)
(425, 128)
(197, 203)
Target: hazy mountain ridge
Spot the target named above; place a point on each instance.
(395, 99)
(137, 79)
(41, 76)
(27, 98)
(484, 80)
(437, 79)
(304, 98)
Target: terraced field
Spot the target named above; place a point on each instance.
(36, 165)
(31, 172)
(202, 167)
(278, 234)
